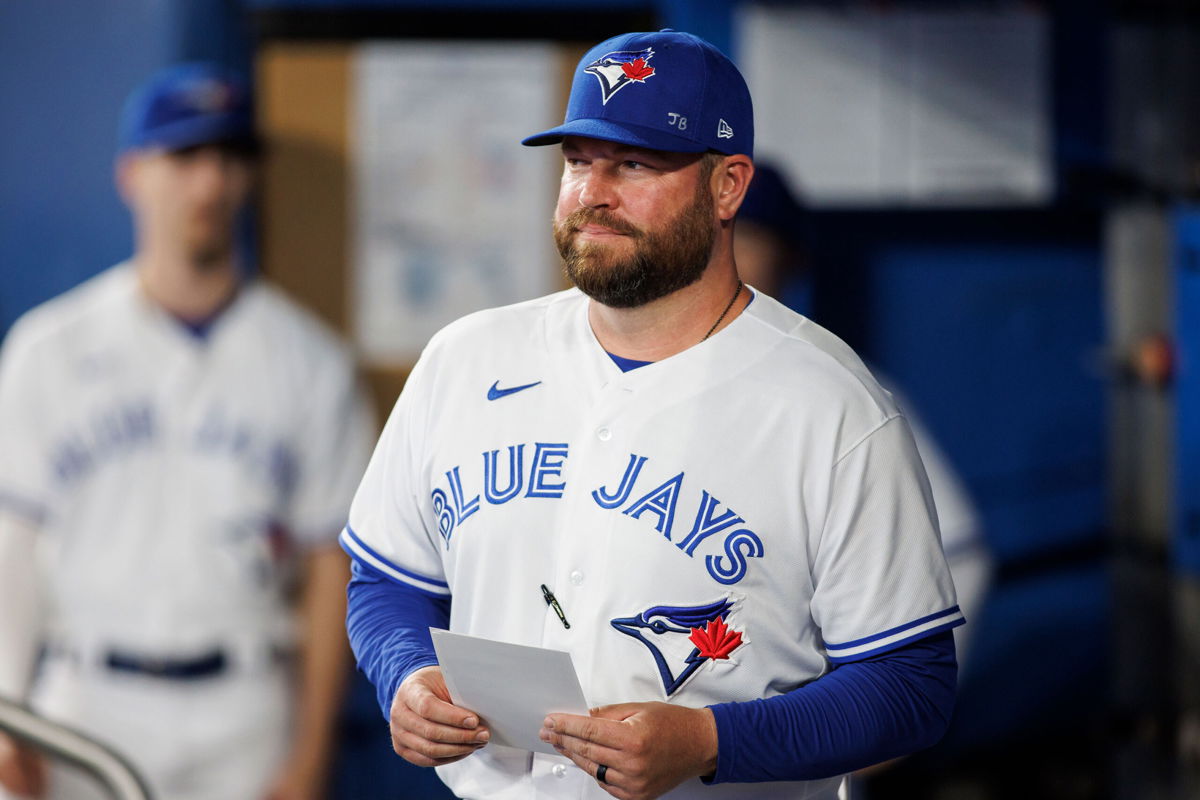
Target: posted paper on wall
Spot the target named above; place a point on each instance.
(870, 107)
(451, 213)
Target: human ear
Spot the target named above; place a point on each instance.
(731, 179)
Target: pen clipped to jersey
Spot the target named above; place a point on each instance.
(552, 601)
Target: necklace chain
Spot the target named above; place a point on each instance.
(736, 293)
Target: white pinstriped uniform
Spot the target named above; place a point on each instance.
(718, 526)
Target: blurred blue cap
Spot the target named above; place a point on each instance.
(771, 203)
(664, 91)
(188, 105)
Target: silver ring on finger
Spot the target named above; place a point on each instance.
(602, 773)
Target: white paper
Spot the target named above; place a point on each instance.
(511, 687)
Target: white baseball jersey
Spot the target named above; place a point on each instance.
(175, 478)
(717, 526)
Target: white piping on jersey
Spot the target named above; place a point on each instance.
(918, 628)
(359, 550)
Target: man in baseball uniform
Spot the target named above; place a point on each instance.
(181, 444)
(701, 495)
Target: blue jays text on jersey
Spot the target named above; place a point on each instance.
(125, 427)
(505, 478)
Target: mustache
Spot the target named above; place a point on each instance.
(597, 216)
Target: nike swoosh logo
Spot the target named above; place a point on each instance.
(495, 392)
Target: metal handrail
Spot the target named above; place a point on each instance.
(116, 775)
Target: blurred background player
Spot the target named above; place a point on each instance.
(181, 444)
(774, 254)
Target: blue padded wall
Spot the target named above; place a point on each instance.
(1186, 268)
(991, 323)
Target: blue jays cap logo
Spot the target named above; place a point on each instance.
(683, 638)
(209, 96)
(620, 68)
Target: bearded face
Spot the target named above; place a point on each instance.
(644, 264)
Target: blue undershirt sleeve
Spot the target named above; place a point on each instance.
(388, 624)
(861, 713)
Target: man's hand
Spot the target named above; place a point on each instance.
(22, 771)
(649, 748)
(427, 729)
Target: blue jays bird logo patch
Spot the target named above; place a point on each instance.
(620, 68)
(682, 639)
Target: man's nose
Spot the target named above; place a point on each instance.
(211, 169)
(597, 191)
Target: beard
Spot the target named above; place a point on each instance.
(663, 261)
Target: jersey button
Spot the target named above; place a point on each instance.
(559, 770)
(576, 577)
(604, 434)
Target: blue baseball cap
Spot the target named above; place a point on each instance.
(188, 105)
(664, 91)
